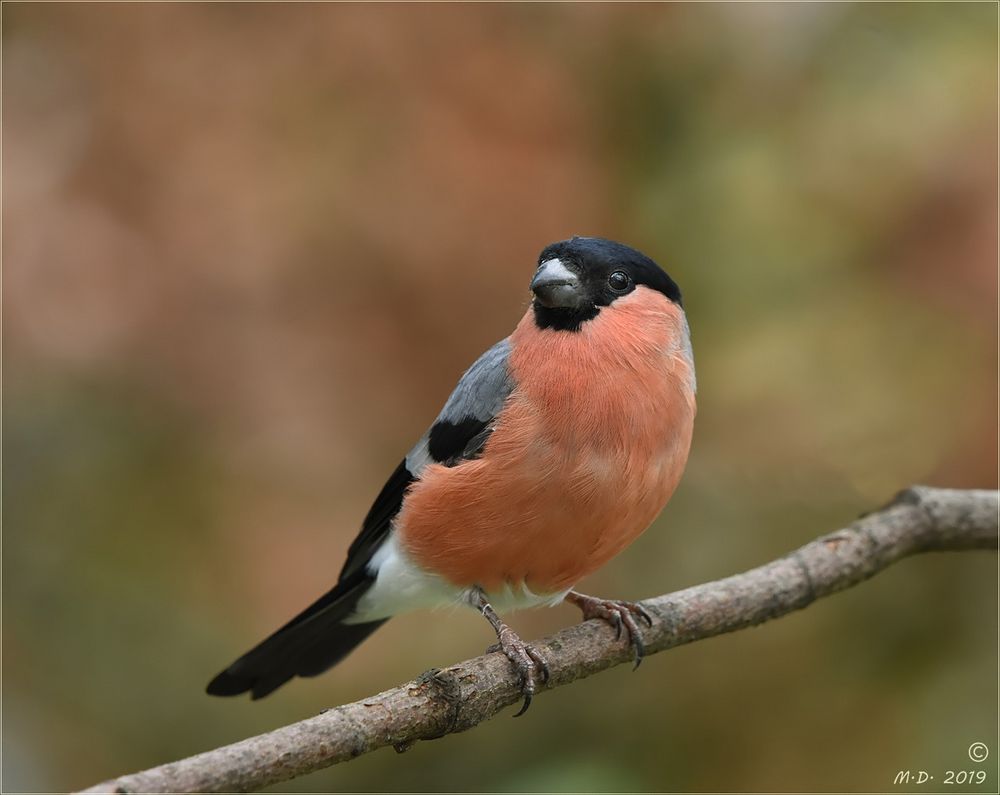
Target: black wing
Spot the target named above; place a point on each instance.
(376, 526)
(459, 433)
(318, 637)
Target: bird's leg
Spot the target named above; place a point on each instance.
(620, 614)
(526, 659)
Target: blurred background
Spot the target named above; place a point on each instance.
(249, 249)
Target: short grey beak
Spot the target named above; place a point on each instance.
(555, 285)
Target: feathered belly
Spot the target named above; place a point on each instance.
(541, 511)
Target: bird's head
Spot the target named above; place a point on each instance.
(577, 277)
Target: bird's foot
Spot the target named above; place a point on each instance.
(525, 658)
(617, 612)
(527, 661)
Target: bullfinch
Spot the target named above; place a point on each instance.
(557, 448)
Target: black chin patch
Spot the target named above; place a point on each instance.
(562, 318)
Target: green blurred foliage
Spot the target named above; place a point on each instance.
(249, 248)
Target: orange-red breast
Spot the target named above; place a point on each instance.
(558, 447)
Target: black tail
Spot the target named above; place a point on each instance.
(310, 643)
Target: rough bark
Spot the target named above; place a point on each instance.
(440, 702)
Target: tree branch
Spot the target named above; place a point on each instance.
(439, 702)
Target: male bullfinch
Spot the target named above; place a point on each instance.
(558, 447)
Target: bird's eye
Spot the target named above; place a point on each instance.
(619, 281)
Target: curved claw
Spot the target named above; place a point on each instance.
(524, 707)
(529, 664)
(640, 651)
(539, 660)
(616, 621)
